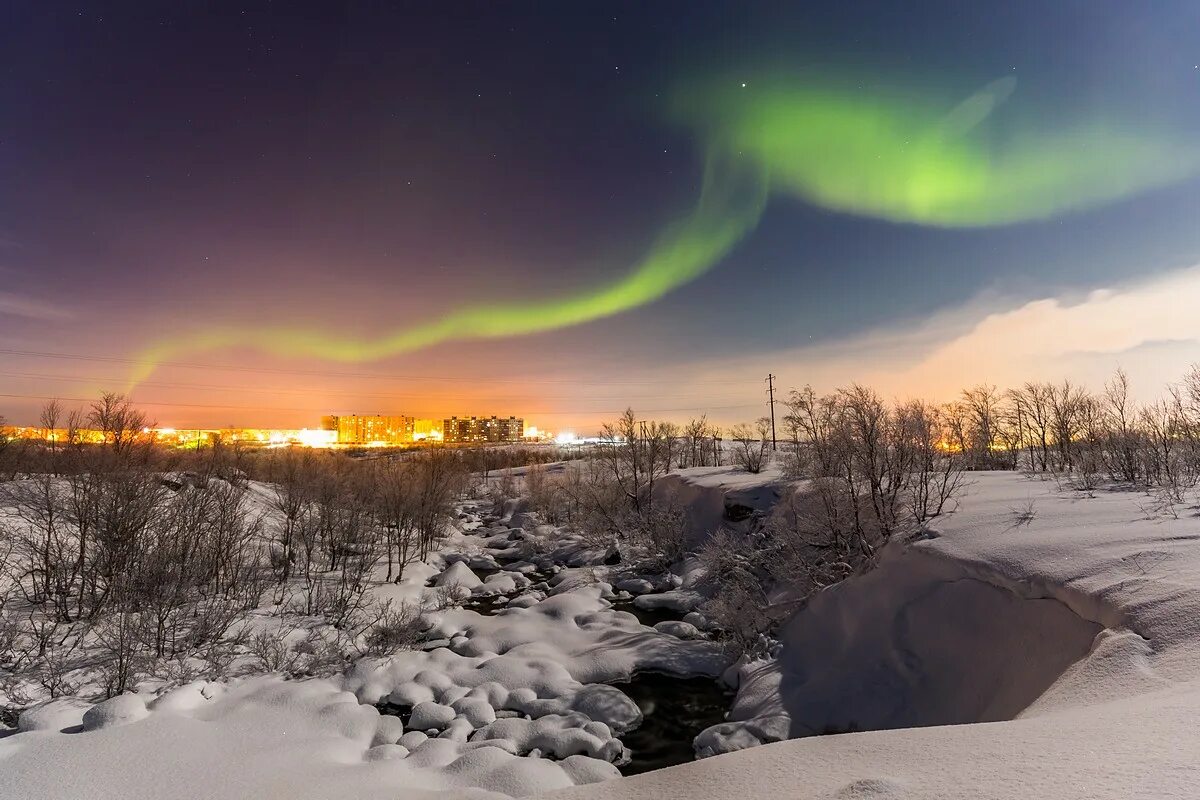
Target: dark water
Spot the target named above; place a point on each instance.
(493, 604)
(676, 710)
(393, 710)
(488, 606)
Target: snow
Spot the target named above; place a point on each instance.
(431, 716)
(54, 715)
(119, 710)
(485, 693)
(458, 575)
(1076, 636)
(1058, 657)
(678, 629)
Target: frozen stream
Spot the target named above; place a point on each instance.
(673, 710)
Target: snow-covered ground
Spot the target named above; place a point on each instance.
(513, 702)
(1060, 631)
(975, 625)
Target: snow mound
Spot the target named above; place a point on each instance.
(1073, 635)
(53, 715)
(457, 576)
(266, 737)
(119, 710)
(559, 735)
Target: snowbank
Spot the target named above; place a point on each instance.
(1072, 632)
(712, 497)
(1077, 632)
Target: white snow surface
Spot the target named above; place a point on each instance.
(1076, 635)
(529, 681)
(1067, 647)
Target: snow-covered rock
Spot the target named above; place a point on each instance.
(53, 715)
(457, 576)
(680, 600)
(386, 752)
(430, 716)
(607, 704)
(476, 710)
(388, 731)
(682, 630)
(559, 735)
(411, 740)
(634, 585)
(119, 710)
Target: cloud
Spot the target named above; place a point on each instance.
(1151, 328)
(15, 305)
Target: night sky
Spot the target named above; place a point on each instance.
(254, 214)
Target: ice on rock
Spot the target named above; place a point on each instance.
(430, 716)
(433, 754)
(435, 679)
(119, 710)
(452, 694)
(503, 772)
(484, 562)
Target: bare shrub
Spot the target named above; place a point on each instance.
(272, 652)
(396, 627)
(750, 445)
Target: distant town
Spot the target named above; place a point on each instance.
(337, 430)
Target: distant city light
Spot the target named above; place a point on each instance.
(316, 438)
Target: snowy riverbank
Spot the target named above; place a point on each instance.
(1070, 622)
(982, 623)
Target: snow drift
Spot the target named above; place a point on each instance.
(1074, 630)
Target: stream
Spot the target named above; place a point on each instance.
(675, 710)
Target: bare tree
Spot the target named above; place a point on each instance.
(750, 451)
(50, 417)
(123, 425)
(1123, 440)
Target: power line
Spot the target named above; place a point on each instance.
(318, 373)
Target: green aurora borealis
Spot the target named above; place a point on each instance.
(899, 156)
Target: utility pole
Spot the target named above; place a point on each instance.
(771, 403)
